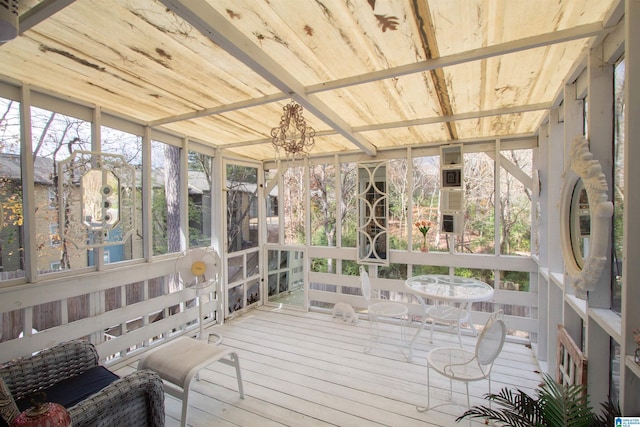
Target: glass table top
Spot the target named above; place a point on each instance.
(450, 287)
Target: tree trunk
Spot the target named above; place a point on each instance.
(171, 184)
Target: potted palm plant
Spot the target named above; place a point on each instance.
(555, 405)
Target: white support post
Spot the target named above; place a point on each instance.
(555, 294)
(600, 135)
(147, 189)
(183, 189)
(555, 161)
(600, 128)
(573, 109)
(541, 162)
(629, 381)
(28, 191)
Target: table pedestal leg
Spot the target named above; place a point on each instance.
(409, 356)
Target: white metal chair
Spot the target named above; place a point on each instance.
(463, 365)
(451, 314)
(388, 309)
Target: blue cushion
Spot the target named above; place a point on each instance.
(75, 389)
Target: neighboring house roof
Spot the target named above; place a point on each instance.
(10, 168)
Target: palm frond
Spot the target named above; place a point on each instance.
(565, 405)
(554, 405)
(516, 409)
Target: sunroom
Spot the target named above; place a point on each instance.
(485, 140)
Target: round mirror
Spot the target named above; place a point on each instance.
(585, 215)
(580, 223)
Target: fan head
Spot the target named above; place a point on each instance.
(198, 267)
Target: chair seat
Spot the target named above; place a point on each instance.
(448, 313)
(390, 309)
(451, 314)
(454, 362)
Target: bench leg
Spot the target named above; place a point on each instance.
(236, 362)
(185, 406)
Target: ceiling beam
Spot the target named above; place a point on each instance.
(213, 25)
(456, 117)
(249, 103)
(546, 39)
(519, 109)
(40, 12)
(561, 36)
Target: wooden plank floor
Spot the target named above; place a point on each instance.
(309, 369)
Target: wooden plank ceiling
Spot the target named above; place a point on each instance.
(370, 74)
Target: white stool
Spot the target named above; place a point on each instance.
(179, 361)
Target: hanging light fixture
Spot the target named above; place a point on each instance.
(293, 135)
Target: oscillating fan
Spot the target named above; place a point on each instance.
(199, 268)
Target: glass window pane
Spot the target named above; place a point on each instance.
(199, 199)
(426, 187)
(479, 203)
(242, 207)
(515, 205)
(614, 371)
(115, 141)
(11, 220)
(55, 136)
(348, 198)
(618, 185)
(397, 225)
(271, 205)
(323, 205)
(294, 206)
(165, 193)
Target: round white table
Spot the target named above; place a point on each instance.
(453, 295)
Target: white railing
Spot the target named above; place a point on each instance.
(520, 307)
(120, 310)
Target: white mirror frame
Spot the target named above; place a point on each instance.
(583, 166)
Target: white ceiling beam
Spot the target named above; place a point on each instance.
(417, 122)
(574, 33)
(456, 117)
(213, 25)
(583, 31)
(514, 170)
(249, 103)
(40, 12)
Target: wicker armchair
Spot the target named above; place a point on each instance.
(134, 400)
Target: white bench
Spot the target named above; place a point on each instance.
(179, 361)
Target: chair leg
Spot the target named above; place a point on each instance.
(489, 379)
(373, 336)
(426, 408)
(403, 334)
(432, 326)
(466, 384)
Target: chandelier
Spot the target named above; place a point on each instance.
(293, 135)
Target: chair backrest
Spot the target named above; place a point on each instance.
(366, 284)
(491, 340)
